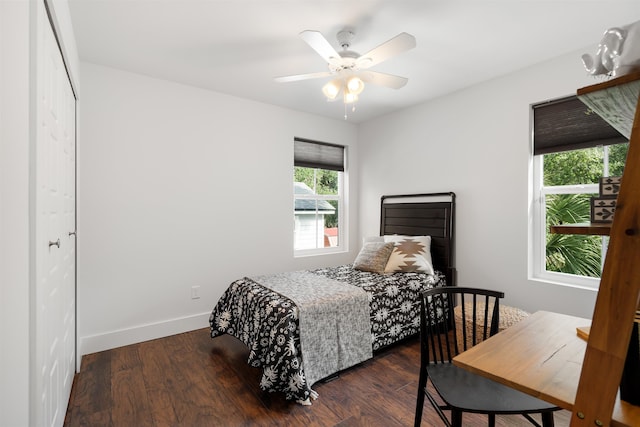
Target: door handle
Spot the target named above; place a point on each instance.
(56, 243)
(72, 233)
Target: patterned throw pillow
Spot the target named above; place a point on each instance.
(410, 254)
(373, 257)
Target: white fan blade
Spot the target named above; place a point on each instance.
(383, 79)
(316, 40)
(297, 77)
(400, 43)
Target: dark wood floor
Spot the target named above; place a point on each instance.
(191, 380)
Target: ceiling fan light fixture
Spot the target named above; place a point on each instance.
(331, 90)
(355, 85)
(350, 98)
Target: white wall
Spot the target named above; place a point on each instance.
(475, 143)
(14, 213)
(182, 187)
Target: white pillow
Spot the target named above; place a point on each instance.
(410, 254)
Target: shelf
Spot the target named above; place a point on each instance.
(614, 100)
(583, 332)
(594, 228)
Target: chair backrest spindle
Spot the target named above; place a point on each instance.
(446, 330)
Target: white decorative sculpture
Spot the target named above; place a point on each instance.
(618, 52)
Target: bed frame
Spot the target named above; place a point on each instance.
(431, 214)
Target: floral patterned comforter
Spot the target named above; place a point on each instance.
(267, 322)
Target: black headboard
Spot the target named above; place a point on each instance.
(431, 214)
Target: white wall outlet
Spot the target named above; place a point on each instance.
(195, 292)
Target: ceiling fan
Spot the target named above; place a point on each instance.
(350, 69)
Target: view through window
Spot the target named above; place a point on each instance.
(570, 180)
(316, 208)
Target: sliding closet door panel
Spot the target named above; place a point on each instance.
(55, 231)
(69, 237)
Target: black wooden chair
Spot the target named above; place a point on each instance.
(445, 332)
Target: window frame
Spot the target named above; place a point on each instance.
(538, 232)
(341, 198)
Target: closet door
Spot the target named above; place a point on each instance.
(54, 241)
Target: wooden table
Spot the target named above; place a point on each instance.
(542, 356)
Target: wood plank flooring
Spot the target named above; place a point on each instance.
(191, 380)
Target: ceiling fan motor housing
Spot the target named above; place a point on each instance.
(347, 59)
(345, 37)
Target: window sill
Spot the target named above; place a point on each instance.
(567, 280)
(302, 253)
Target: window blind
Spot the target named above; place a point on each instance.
(321, 155)
(568, 124)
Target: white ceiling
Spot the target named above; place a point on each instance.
(237, 47)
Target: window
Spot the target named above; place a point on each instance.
(318, 197)
(573, 148)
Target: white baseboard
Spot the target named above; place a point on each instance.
(106, 341)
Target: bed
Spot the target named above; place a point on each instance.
(304, 326)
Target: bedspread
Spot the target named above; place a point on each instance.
(333, 319)
(268, 323)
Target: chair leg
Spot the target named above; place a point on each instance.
(547, 419)
(422, 384)
(492, 420)
(419, 408)
(456, 418)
